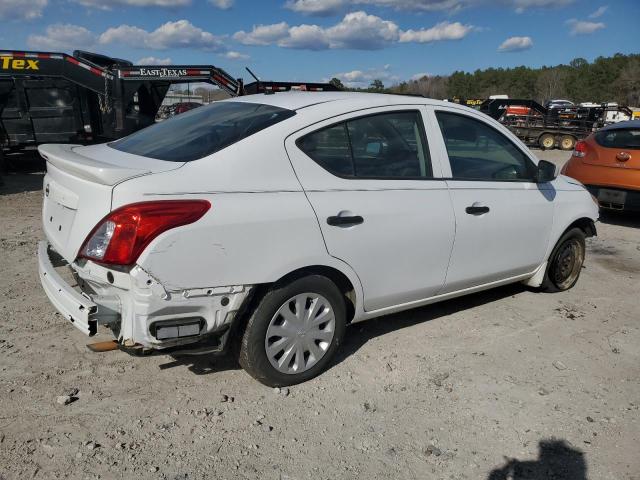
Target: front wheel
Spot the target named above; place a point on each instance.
(294, 331)
(565, 262)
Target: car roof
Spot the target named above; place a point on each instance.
(622, 125)
(298, 100)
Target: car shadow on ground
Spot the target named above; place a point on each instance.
(359, 333)
(556, 460)
(23, 173)
(203, 364)
(621, 219)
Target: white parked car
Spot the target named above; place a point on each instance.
(276, 220)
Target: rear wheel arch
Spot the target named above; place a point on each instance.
(344, 284)
(341, 280)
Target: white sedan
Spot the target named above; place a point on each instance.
(270, 222)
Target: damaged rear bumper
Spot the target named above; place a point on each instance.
(74, 306)
(141, 311)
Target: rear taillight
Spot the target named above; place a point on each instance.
(121, 236)
(580, 150)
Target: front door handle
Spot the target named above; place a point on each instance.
(344, 220)
(477, 209)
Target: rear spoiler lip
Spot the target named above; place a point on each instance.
(63, 157)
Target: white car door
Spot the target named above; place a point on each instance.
(380, 203)
(503, 217)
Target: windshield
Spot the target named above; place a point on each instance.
(619, 138)
(202, 131)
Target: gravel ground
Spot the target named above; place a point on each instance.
(507, 383)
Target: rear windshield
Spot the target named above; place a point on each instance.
(202, 131)
(627, 138)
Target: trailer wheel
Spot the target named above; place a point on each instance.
(547, 141)
(567, 142)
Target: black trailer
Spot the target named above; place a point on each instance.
(547, 127)
(90, 98)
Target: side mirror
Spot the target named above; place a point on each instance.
(546, 171)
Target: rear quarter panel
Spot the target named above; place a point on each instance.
(259, 228)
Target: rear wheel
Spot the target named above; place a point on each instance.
(546, 141)
(294, 331)
(565, 262)
(567, 142)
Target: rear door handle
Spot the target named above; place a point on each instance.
(477, 209)
(344, 220)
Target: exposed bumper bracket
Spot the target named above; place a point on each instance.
(74, 306)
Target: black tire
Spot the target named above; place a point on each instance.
(546, 141)
(565, 262)
(567, 142)
(253, 356)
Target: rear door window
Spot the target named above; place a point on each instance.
(201, 131)
(386, 145)
(619, 138)
(329, 147)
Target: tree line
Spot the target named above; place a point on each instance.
(606, 79)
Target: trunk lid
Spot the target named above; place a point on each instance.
(78, 189)
(617, 148)
(614, 157)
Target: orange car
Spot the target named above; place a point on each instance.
(607, 162)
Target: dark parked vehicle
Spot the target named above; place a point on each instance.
(90, 98)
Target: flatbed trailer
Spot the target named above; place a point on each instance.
(546, 128)
(554, 127)
(85, 98)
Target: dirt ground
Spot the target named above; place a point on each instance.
(508, 383)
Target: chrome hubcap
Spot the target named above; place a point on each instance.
(300, 333)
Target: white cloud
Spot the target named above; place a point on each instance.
(179, 34)
(361, 31)
(125, 34)
(599, 12)
(357, 30)
(439, 32)
(316, 7)
(109, 4)
(581, 27)
(363, 78)
(516, 44)
(308, 37)
(62, 37)
(222, 4)
(418, 76)
(263, 34)
(522, 5)
(21, 10)
(154, 61)
(421, 5)
(334, 7)
(232, 55)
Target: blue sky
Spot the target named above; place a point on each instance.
(314, 40)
